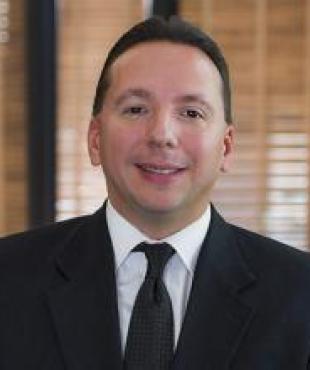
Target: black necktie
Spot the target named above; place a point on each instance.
(150, 338)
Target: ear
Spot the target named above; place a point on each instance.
(228, 147)
(94, 135)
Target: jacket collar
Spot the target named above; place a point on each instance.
(83, 300)
(218, 313)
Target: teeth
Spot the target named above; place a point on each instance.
(160, 171)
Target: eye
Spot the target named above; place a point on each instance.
(135, 110)
(192, 113)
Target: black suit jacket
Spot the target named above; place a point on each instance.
(249, 308)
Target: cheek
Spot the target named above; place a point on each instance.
(205, 153)
(117, 145)
(197, 147)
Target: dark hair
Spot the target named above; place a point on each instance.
(174, 30)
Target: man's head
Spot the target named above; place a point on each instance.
(160, 132)
(176, 31)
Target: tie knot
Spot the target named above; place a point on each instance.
(157, 256)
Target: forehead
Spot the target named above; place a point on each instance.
(163, 61)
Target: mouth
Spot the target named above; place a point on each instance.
(162, 170)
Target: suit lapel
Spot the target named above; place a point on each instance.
(217, 316)
(83, 299)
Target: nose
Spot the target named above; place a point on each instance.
(162, 131)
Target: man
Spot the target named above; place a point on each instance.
(76, 295)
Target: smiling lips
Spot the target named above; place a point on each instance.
(162, 170)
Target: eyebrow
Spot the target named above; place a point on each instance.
(194, 98)
(132, 93)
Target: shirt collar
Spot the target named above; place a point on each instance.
(187, 242)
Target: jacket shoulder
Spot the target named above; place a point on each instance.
(44, 237)
(272, 257)
(27, 259)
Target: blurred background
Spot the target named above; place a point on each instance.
(51, 53)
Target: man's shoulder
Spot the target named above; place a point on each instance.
(266, 243)
(27, 259)
(46, 236)
(270, 256)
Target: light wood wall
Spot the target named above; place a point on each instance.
(13, 120)
(3, 35)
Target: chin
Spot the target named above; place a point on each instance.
(160, 207)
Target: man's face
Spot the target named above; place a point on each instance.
(161, 136)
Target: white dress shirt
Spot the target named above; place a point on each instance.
(131, 267)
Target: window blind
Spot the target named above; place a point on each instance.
(86, 32)
(267, 44)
